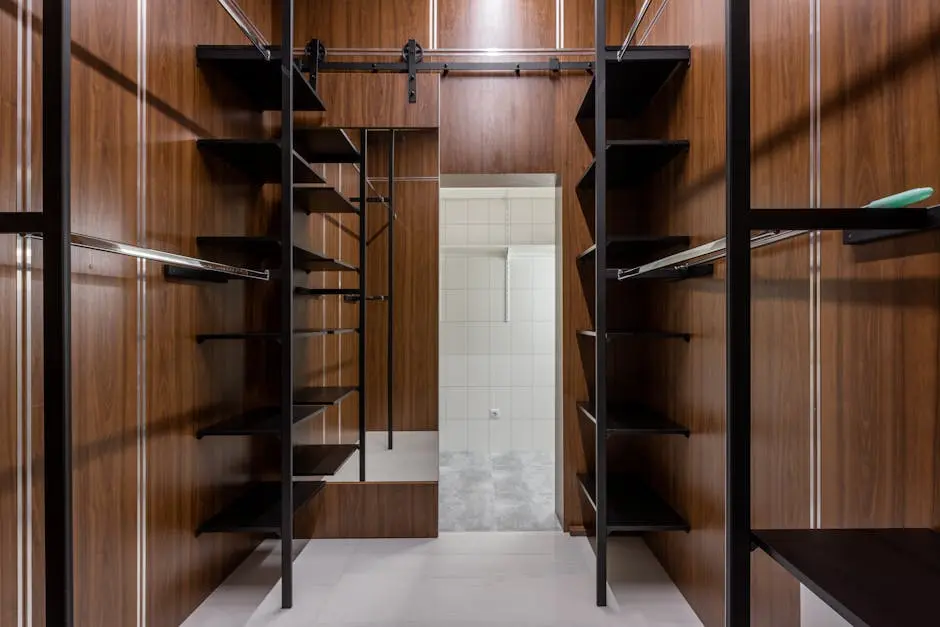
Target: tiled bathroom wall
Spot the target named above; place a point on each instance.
(497, 376)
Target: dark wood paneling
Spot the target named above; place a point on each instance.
(880, 325)
(497, 125)
(362, 23)
(579, 22)
(377, 100)
(370, 510)
(474, 24)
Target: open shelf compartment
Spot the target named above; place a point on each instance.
(310, 200)
(330, 395)
(259, 159)
(319, 144)
(632, 161)
(258, 509)
(257, 79)
(634, 419)
(870, 577)
(637, 249)
(632, 507)
(260, 421)
(263, 249)
(319, 460)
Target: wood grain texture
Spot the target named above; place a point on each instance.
(362, 23)
(579, 22)
(477, 24)
(370, 510)
(386, 105)
(880, 323)
(497, 124)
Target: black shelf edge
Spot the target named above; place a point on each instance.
(311, 200)
(633, 82)
(623, 333)
(258, 159)
(263, 249)
(624, 419)
(321, 460)
(261, 421)
(633, 250)
(839, 219)
(177, 274)
(330, 395)
(258, 509)
(667, 274)
(259, 80)
(856, 237)
(632, 507)
(631, 161)
(319, 144)
(269, 335)
(870, 577)
(326, 291)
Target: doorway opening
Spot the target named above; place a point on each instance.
(498, 302)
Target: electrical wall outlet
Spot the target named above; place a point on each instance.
(494, 413)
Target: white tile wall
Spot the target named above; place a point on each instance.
(486, 362)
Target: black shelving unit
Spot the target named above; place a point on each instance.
(870, 577)
(259, 421)
(258, 509)
(259, 159)
(622, 89)
(267, 251)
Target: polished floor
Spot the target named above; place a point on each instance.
(509, 579)
(511, 491)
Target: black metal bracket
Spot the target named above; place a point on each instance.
(314, 55)
(411, 58)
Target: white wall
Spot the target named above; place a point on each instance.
(487, 363)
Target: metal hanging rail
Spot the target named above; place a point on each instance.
(706, 253)
(120, 248)
(252, 32)
(633, 29)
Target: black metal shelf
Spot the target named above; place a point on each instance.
(632, 507)
(625, 250)
(259, 159)
(270, 335)
(319, 460)
(259, 80)
(261, 421)
(615, 334)
(858, 237)
(632, 161)
(263, 249)
(633, 82)
(321, 200)
(330, 395)
(326, 291)
(318, 144)
(634, 419)
(258, 509)
(870, 577)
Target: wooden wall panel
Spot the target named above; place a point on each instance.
(362, 23)
(880, 324)
(370, 510)
(579, 22)
(479, 24)
(497, 124)
(385, 106)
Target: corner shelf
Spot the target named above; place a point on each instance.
(632, 507)
(258, 79)
(633, 82)
(261, 421)
(870, 577)
(310, 200)
(263, 249)
(329, 395)
(259, 159)
(258, 509)
(624, 419)
(269, 335)
(632, 161)
(319, 144)
(319, 460)
(619, 334)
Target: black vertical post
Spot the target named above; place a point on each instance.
(56, 317)
(391, 282)
(600, 298)
(287, 303)
(738, 318)
(363, 204)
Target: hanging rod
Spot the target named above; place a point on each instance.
(633, 29)
(712, 251)
(120, 248)
(252, 32)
